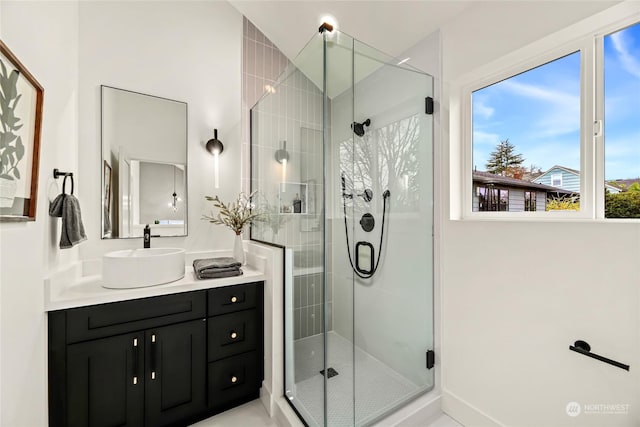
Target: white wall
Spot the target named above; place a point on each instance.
(182, 50)
(157, 183)
(43, 35)
(506, 333)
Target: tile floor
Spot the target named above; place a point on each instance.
(378, 387)
(253, 414)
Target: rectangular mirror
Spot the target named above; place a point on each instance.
(144, 153)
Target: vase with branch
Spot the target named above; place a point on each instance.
(235, 215)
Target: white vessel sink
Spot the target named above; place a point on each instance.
(137, 268)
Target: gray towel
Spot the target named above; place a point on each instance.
(219, 274)
(67, 207)
(214, 264)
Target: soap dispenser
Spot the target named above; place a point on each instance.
(297, 204)
(147, 237)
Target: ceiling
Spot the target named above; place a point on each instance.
(390, 26)
(394, 26)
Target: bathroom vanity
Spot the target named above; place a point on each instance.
(161, 360)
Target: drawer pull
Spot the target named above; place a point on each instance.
(233, 335)
(234, 379)
(234, 299)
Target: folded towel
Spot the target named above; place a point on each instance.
(214, 264)
(216, 270)
(219, 274)
(67, 207)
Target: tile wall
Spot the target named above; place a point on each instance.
(289, 108)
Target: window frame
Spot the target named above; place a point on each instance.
(553, 175)
(492, 196)
(532, 199)
(599, 122)
(585, 37)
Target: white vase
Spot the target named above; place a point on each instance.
(238, 250)
(7, 192)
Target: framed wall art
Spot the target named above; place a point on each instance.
(20, 126)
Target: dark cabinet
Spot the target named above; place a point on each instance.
(175, 382)
(156, 361)
(104, 384)
(235, 344)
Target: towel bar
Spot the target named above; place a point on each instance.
(584, 348)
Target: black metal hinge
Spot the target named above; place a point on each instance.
(428, 105)
(431, 359)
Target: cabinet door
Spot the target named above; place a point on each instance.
(105, 385)
(176, 372)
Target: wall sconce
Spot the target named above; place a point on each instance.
(282, 157)
(215, 147)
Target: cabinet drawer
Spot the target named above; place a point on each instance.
(121, 317)
(233, 333)
(232, 298)
(233, 378)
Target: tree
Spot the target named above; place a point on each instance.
(504, 161)
(634, 188)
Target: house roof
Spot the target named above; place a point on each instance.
(612, 184)
(572, 171)
(507, 181)
(622, 184)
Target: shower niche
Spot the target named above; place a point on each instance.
(292, 198)
(359, 276)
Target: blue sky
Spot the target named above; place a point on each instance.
(539, 111)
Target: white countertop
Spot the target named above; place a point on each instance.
(70, 288)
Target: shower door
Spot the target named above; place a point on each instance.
(341, 159)
(379, 168)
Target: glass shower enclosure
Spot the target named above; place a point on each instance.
(342, 162)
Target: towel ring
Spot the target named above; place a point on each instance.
(64, 183)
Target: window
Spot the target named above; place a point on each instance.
(527, 124)
(492, 199)
(556, 180)
(540, 111)
(530, 201)
(622, 123)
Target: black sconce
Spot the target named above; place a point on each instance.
(282, 155)
(215, 145)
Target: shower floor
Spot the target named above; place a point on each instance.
(378, 387)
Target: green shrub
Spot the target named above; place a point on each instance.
(563, 203)
(622, 205)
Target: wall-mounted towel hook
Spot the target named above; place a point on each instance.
(57, 174)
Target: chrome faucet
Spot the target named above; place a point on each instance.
(147, 237)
